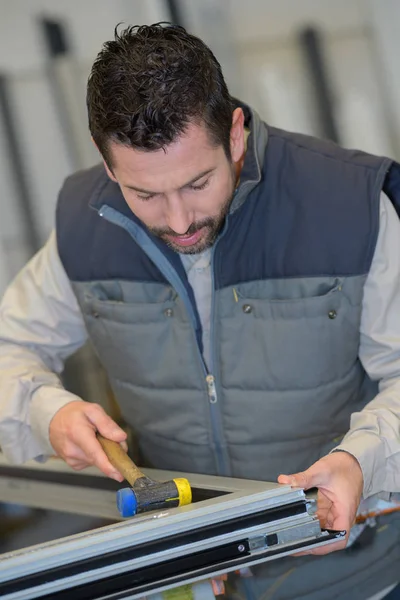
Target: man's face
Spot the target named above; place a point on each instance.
(181, 194)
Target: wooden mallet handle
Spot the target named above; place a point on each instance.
(120, 460)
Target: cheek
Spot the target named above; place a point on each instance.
(217, 197)
(209, 202)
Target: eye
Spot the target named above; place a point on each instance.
(202, 186)
(144, 198)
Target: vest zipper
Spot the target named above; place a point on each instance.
(216, 424)
(212, 391)
(215, 411)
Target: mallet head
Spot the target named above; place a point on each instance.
(148, 495)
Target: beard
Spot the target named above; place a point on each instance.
(211, 225)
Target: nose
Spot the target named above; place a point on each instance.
(179, 217)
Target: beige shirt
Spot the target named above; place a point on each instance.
(41, 324)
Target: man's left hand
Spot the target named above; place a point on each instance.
(339, 480)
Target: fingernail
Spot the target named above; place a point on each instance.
(116, 476)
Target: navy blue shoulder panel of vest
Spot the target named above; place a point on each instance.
(91, 248)
(314, 213)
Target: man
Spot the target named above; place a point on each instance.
(240, 285)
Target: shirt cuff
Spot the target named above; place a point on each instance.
(45, 402)
(369, 451)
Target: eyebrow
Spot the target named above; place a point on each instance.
(189, 183)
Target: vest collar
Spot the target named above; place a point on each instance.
(257, 141)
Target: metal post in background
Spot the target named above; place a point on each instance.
(17, 168)
(68, 93)
(311, 42)
(174, 9)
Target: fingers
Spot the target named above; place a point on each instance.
(303, 480)
(86, 452)
(104, 424)
(96, 455)
(73, 436)
(339, 481)
(296, 480)
(110, 430)
(91, 454)
(77, 465)
(316, 476)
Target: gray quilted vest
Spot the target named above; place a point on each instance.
(288, 274)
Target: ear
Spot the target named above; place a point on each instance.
(107, 168)
(237, 135)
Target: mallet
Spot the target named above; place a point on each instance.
(145, 494)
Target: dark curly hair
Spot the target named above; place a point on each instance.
(149, 83)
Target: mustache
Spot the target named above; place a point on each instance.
(207, 222)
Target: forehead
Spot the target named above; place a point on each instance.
(159, 170)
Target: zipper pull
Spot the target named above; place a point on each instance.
(212, 392)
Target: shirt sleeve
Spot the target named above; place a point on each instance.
(374, 435)
(40, 326)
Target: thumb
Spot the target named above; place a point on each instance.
(104, 424)
(315, 476)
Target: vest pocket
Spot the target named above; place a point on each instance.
(140, 332)
(128, 302)
(297, 342)
(128, 312)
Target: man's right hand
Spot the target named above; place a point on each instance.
(73, 436)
